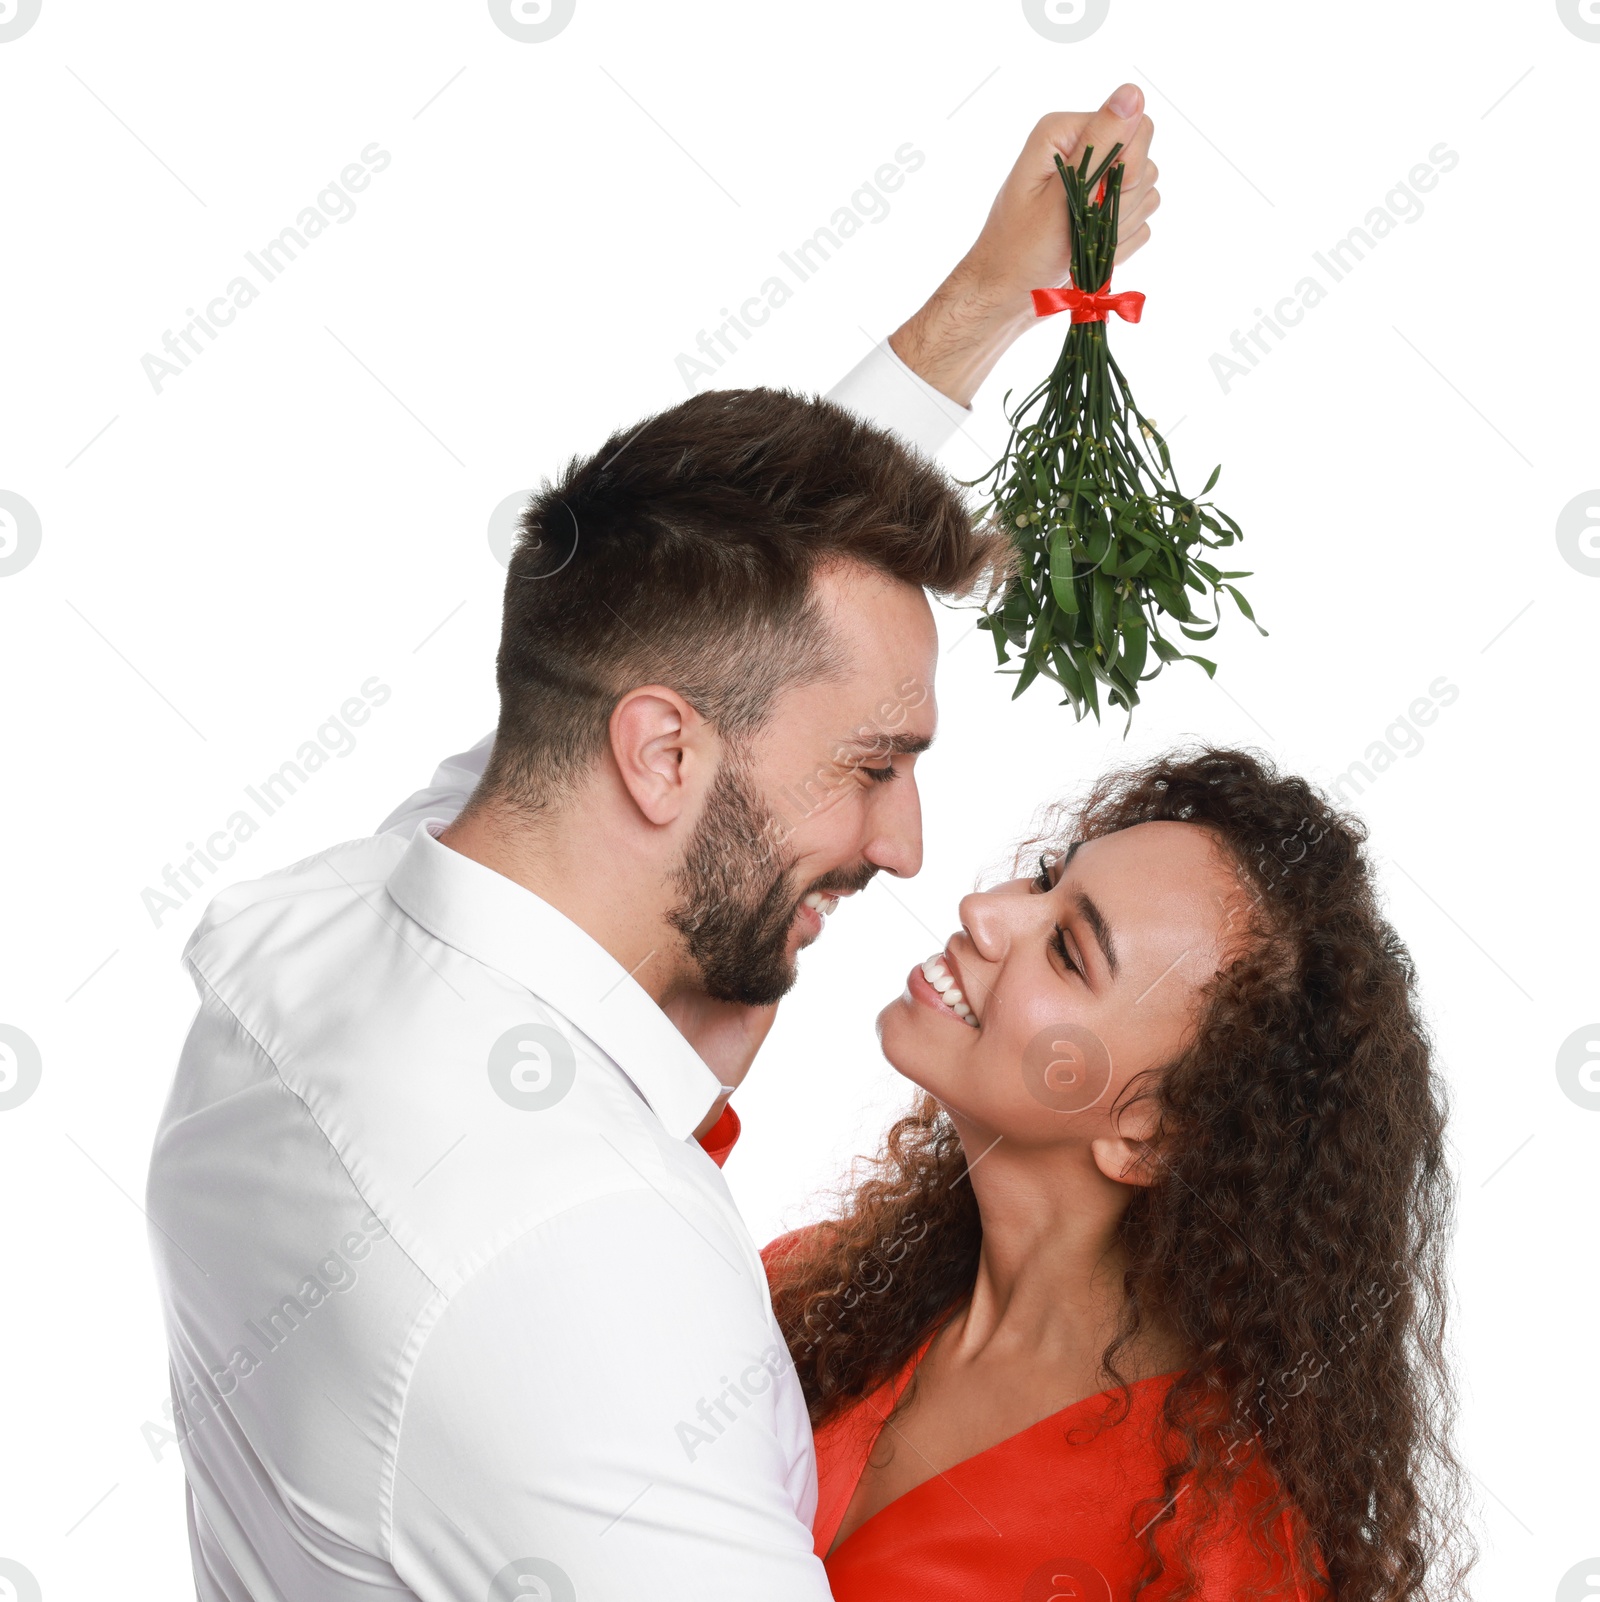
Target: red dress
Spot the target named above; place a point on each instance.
(1043, 1516)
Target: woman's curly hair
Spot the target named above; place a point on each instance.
(1296, 1236)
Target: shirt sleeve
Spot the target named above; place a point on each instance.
(881, 389)
(607, 1409)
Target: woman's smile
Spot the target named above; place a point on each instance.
(932, 984)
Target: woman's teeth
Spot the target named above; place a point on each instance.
(937, 975)
(821, 902)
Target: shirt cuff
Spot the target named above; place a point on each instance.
(881, 389)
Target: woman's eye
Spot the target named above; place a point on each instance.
(1059, 942)
(1041, 880)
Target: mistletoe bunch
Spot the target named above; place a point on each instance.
(1107, 544)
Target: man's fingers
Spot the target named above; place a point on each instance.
(1131, 242)
(1139, 212)
(1120, 120)
(1134, 195)
(1139, 171)
(1059, 133)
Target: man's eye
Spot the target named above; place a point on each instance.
(880, 775)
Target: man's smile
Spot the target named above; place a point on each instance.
(815, 906)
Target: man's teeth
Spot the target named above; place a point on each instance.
(937, 975)
(821, 901)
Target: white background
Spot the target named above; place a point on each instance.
(225, 562)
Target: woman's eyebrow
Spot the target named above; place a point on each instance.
(1089, 911)
(1096, 919)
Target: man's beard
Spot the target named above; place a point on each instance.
(738, 903)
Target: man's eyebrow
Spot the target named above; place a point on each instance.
(1090, 912)
(886, 744)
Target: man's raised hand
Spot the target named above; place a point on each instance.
(984, 304)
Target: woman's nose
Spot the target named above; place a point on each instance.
(983, 917)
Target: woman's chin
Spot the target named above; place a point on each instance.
(910, 1047)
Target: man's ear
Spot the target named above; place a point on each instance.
(657, 741)
(1129, 1156)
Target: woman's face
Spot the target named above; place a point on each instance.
(1075, 983)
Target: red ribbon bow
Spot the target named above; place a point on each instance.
(1087, 307)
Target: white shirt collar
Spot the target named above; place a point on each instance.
(505, 926)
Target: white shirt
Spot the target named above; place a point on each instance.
(457, 1308)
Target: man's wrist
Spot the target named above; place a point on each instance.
(962, 330)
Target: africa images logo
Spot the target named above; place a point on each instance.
(1065, 21)
(535, 1578)
(1578, 533)
(1581, 18)
(531, 21)
(16, 17)
(20, 533)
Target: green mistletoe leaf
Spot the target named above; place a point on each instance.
(1108, 544)
(1062, 584)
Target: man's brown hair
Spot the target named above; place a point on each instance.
(682, 552)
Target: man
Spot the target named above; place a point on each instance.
(457, 1306)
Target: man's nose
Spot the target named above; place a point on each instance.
(895, 844)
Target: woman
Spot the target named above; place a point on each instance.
(1145, 1297)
